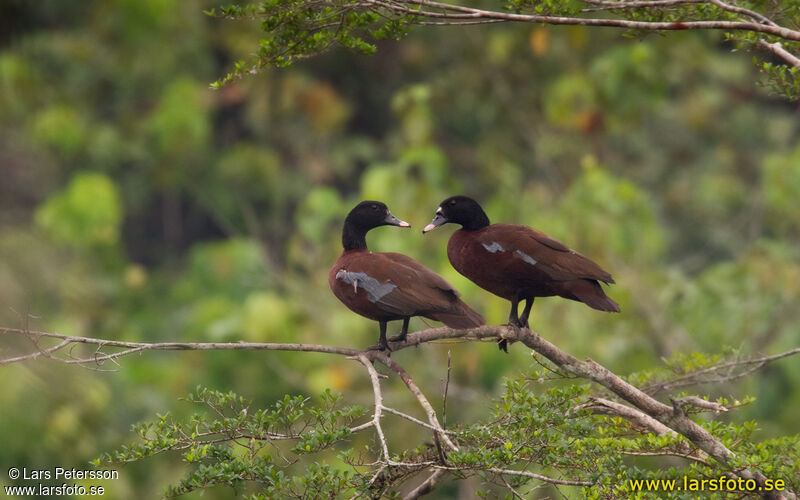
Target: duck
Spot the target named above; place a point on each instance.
(517, 262)
(388, 286)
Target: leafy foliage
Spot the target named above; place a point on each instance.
(231, 446)
(303, 28)
(539, 428)
(297, 29)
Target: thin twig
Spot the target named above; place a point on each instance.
(439, 433)
(133, 347)
(444, 396)
(378, 396)
(532, 475)
(417, 421)
(42, 352)
(637, 4)
(679, 403)
(426, 486)
(511, 488)
(695, 377)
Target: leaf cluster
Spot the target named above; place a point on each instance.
(230, 445)
(297, 29)
(780, 79)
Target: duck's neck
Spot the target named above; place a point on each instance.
(354, 238)
(479, 221)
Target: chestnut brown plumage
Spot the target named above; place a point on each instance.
(517, 262)
(391, 286)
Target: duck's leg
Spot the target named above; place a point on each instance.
(513, 320)
(513, 317)
(523, 320)
(382, 344)
(402, 335)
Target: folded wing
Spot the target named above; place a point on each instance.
(401, 286)
(542, 253)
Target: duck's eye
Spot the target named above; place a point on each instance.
(452, 202)
(374, 207)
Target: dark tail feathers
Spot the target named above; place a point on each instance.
(604, 303)
(463, 317)
(591, 293)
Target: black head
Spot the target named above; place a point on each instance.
(459, 210)
(365, 216)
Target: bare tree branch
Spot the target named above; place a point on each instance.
(777, 49)
(532, 475)
(412, 419)
(604, 406)
(697, 15)
(439, 433)
(718, 373)
(607, 407)
(679, 403)
(511, 488)
(459, 12)
(444, 395)
(638, 4)
(42, 352)
(376, 415)
(133, 347)
(745, 12)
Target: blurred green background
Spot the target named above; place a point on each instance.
(136, 204)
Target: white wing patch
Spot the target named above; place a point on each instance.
(374, 288)
(494, 247)
(527, 258)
